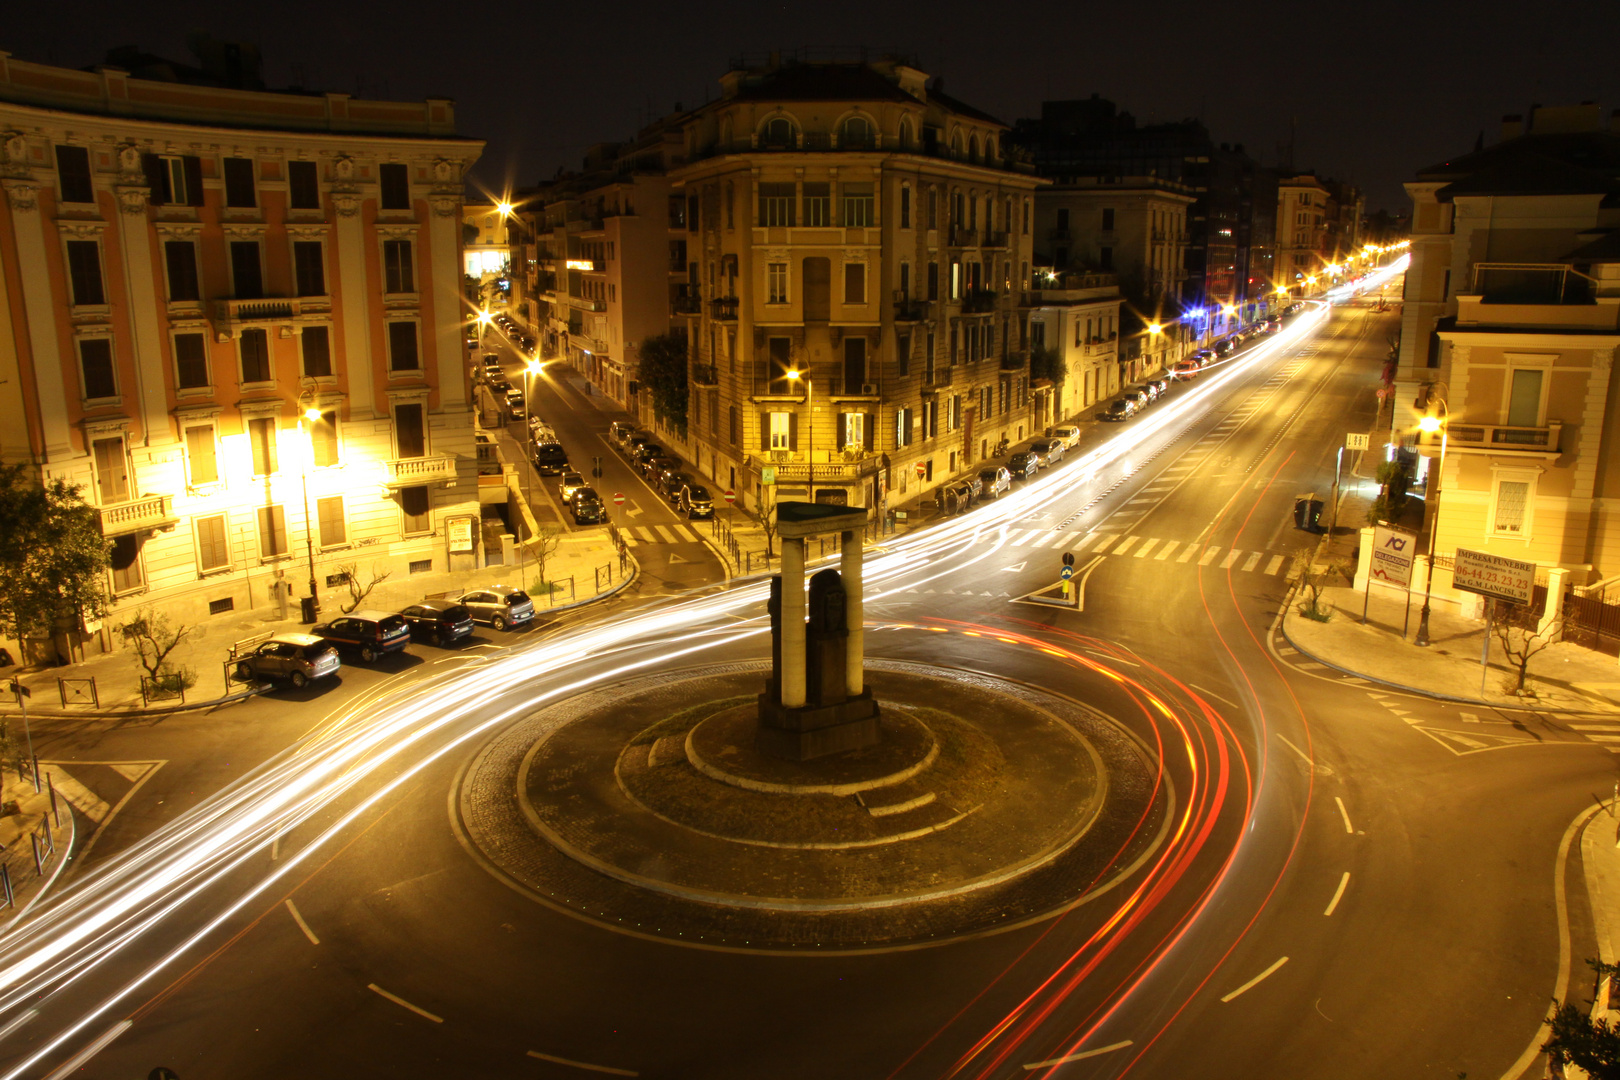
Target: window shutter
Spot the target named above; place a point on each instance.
(764, 431)
(793, 431)
(192, 167)
(843, 419)
(869, 428)
(156, 177)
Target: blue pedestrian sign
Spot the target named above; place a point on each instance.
(1066, 573)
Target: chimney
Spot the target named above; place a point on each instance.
(1512, 126)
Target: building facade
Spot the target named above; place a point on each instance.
(1319, 226)
(235, 318)
(1077, 317)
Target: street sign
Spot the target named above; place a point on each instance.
(1066, 573)
(1507, 579)
(19, 690)
(922, 470)
(1393, 553)
(767, 474)
(731, 496)
(618, 498)
(1354, 441)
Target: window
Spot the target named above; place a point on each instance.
(1026, 217)
(125, 560)
(694, 214)
(780, 431)
(905, 206)
(303, 185)
(263, 432)
(779, 352)
(247, 273)
(930, 419)
(323, 440)
(309, 268)
(239, 183)
(173, 180)
(1108, 219)
(905, 281)
(857, 134)
(96, 361)
(1512, 502)
(112, 470)
(933, 208)
(857, 208)
(190, 361)
(778, 133)
(776, 274)
(402, 354)
(329, 512)
(399, 270)
(731, 206)
(677, 213)
(852, 430)
(854, 283)
(272, 532)
(817, 205)
(1105, 258)
(902, 427)
(734, 420)
(395, 185)
(416, 510)
(933, 281)
(410, 436)
(84, 272)
(201, 457)
(180, 256)
(902, 353)
(1524, 398)
(776, 204)
(254, 346)
(213, 551)
(854, 365)
(73, 181)
(316, 342)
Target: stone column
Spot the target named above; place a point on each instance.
(1557, 582)
(1364, 561)
(849, 569)
(792, 622)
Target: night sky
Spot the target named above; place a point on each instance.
(1374, 91)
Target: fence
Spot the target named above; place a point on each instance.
(1593, 620)
(79, 692)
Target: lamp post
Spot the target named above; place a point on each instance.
(1431, 424)
(312, 415)
(795, 375)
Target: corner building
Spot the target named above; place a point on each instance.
(858, 250)
(186, 271)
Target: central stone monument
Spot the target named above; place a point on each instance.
(816, 702)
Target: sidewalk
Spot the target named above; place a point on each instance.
(1600, 863)
(52, 839)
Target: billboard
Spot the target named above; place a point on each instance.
(1507, 579)
(1393, 553)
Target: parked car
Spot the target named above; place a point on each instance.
(1047, 451)
(588, 508)
(1204, 356)
(641, 453)
(694, 501)
(550, 459)
(514, 403)
(670, 483)
(994, 481)
(1067, 434)
(370, 633)
(439, 621)
(292, 658)
(1023, 465)
(499, 605)
(1138, 397)
(492, 362)
(1161, 386)
(1184, 370)
(1121, 408)
(652, 467)
(620, 432)
(1224, 348)
(569, 486)
(637, 442)
(498, 383)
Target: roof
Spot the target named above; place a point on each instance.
(1531, 174)
(820, 82)
(956, 105)
(1586, 162)
(1605, 248)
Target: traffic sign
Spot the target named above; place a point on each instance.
(618, 498)
(1066, 573)
(1068, 558)
(922, 470)
(731, 496)
(1354, 441)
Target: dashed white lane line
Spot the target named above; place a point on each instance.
(1338, 893)
(1344, 814)
(1213, 694)
(581, 1064)
(302, 925)
(1303, 756)
(402, 1003)
(1252, 983)
(1032, 1066)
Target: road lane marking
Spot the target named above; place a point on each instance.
(1213, 694)
(1306, 758)
(1192, 549)
(1032, 1066)
(1014, 568)
(581, 1064)
(1250, 563)
(1344, 814)
(302, 925)
(1256, 980)
(402, 1003)
(83, 799)
(73, 1064)
(1274, 565)
(1232, 557)
(1338, 893)
(1164, 552)
(1125, 545)
(1141, 552)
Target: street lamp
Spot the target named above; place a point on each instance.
(795, 375)
(312, 415)
(1431, 424)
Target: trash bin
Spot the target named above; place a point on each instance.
(1307, 512)
(309, 609)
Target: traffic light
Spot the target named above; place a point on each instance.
(1068, 558)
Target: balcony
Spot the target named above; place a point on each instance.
(994, 239)
(138, 515)
(908, 309)
(1496, 439)
(1017, 360)
(705, 375)
(859, 468)
(960, 237)
(978, 301)
(416, 471)
(686, 301)
(587, 305)
(938, 378)
(231, 313)
(723, 309)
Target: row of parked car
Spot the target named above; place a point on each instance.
(662, 470)
(518, 336)
(299, 659)
(993, 481)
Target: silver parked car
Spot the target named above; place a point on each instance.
(293, 658)
(1047, 451)
(995, 480)
(500, 606)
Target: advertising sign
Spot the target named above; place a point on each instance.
(1494, 575)
(460, 530)
(1393, 553)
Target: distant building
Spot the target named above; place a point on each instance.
(1511, 320)
(1318, 230)
(1077, 317)
(185, 271)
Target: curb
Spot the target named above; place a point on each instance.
(629, 580)
(67, 853)
(61, 714)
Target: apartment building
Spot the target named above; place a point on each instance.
(858, 246)
(1508, 335)
(1318, 230)
(235, 318)
(1076, 316)
(1133, 227)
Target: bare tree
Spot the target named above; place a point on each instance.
(1312, 580)
(153, 637)
(350, 573)
(1521, 636)
(543, 545)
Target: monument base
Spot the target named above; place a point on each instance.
(814, 731)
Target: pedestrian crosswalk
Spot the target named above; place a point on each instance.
(660, 534)
(1151, 548)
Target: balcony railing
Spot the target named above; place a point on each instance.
(687, 302)
(705, 375)
(1531, 283)
(939, 377)
(1497, 439)
(908, 309)
(723, 309)
(799, 473)
(414, 471)
(269, 309)
(1017, 360)
(138, 515)
(977, 301)
(960, 237)
(994, 239)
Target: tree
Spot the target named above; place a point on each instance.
(1579, 1040)
(663, 373)
(350, 573)
(1312, 580)
(53, 556)
(1046, 363)
(1396, 478)
(153, 638)
(1518, 631)
(543, 546)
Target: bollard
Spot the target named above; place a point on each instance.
(750, 568)
(36, 774)
(39, 864)
(5, 881)
(56, 813)
(50, 845)
(570, 588)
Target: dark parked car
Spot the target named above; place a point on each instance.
(694, 501)
(637, 442)
(1121, 408)
(643, 452)
(670, 483)
(653, 467)
(1023, 465)
(369, 633)
(499, 605)
(550, 459)
(439, 621)
(1047, 451)
(293, 658)
(588, 508)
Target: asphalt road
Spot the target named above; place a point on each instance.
(1365, 887)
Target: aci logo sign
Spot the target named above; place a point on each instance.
(1393, 553)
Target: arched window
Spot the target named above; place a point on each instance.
(956, 144)
(778, 133)
(725, 134)
(990, 150)
(906, 135)
(857, 134)
(973, 149)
